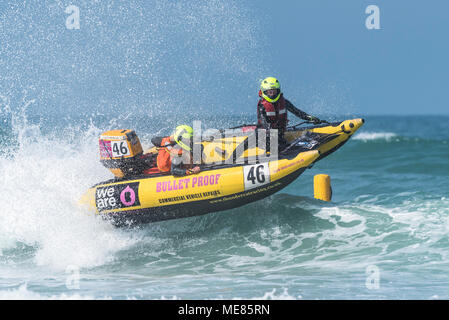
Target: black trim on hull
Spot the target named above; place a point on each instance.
(201, 207)
(325, 154)
(197, 208)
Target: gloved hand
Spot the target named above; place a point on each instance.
(315, 120)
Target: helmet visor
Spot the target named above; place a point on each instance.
(185, 142)
(272, 93)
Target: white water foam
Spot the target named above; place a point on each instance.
(413, 228)
(416, 227)
(273, 295)
(369, 136)
(42, 181)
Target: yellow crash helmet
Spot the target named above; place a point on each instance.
(183, 136)
(270, 83)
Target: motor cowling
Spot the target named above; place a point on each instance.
(121, 152)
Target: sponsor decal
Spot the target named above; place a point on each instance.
(289, 165)
(113, 137)
(188, 183)
(113, 149)
(193, 196)
(246, 193)
(117, 196)
(105, 149)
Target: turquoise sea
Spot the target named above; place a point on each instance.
(151, 65)
(384, 235)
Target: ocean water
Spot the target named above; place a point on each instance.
(149, 66)
(385, 231)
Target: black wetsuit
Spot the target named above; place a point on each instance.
(266, 123)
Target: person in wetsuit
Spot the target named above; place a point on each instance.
(272, 109)
(175, 152)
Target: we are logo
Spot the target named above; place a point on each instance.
(117, 196)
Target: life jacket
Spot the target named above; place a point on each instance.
(165, 152)
(276, 112)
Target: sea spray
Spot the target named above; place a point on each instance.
(287, 243)
(43, 177)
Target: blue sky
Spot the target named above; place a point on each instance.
(209, 56)
(403, 68)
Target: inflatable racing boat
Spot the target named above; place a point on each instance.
(234, 172)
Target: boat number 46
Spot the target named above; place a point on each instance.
(256, 175)
(119, 148)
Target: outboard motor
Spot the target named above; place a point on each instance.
(122, 153)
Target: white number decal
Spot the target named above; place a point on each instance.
(256, 175)
(119, 148)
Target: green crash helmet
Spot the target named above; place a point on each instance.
(270, 83)
(183, 136)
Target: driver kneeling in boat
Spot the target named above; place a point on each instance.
(175, 152)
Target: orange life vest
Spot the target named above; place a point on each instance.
(166, 150)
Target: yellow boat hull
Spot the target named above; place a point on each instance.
(154, 198)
